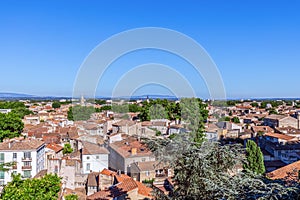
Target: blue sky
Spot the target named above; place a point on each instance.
(255, 44)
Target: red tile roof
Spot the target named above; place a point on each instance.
(286, 172)
(280, 136)
(108, 172)
(55, 147)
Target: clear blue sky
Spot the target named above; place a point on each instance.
(255, 44)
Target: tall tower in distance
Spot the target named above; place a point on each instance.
(82, 101)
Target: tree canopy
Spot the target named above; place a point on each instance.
(56, 104)
(67, 149)
(77, 113)
(255, 158)
(209, 171)
(11, 125)
(45, 188)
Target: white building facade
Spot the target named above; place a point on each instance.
(27, 154)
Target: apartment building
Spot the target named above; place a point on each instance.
(27, 154)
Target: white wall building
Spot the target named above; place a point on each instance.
(94, 158)
(28, 154)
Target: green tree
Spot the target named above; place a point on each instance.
(157, 111)
(133, 108)
(255, 158)
(56, 104)
(208, 172)
(67, 149)
(194, 113)
(11, 125)
(45, 188)
(235, 120)
(71, 197)
(254, 104)
(77, 113)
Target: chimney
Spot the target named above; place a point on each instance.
(133, 151)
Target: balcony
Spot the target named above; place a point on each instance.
(26, 159)
(26, 167)
(14, 167)
(24, 177)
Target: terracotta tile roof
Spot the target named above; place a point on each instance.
(126, 185)
(124, 123)
(92, 149)
(143, 190)
(265, 129)
(55, 147)
(276, 117)
(101, 195)
(108, 172)
(21, 144)
(280, 136)
(121, 177)
(285, 172)
(125, 146)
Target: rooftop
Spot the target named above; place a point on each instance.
(92, 149)
(285, 172)
(20, 144)
(280, 136)
(125, 147)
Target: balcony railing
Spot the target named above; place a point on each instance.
(26, 176)
(26, 167)
(26, 159)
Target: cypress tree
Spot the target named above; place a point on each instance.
(254, 158)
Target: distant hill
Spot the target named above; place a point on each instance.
(14, 95)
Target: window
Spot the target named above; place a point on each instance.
(88, 158)
(88, 166)
(14, 156)
(2, 175)
(147, 173)
(2, 183)
(56, 169)
(2, 157)
(27, 154)
(143, 159)
(14, 172)
(97, 157)
(27, 174)
(27, 164)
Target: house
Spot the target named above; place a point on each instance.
(290, 131)
(161, 125)
(281, 121)
(69, 169)
(106, 179)
(28, 154)
(94, 157)
(211, 132)
(126, 126)
(123, 188)
(228, 129)
(124, 153)
(53, 151)
(150, 170)
(257, 130)
(31, 119)
(280, 147)
(92, 184)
